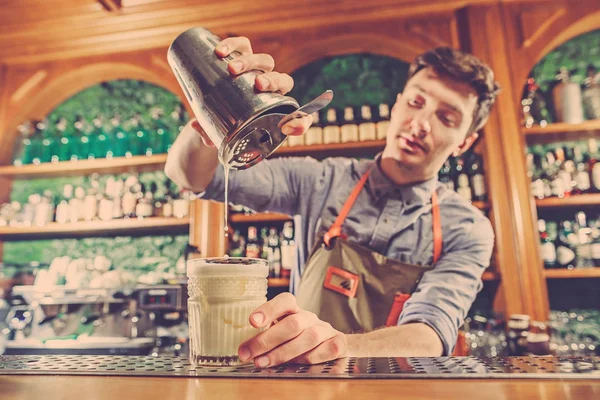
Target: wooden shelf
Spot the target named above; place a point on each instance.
(134, 226)
(279, 282)
(562, 131)
(571, 201)
(83, 167)
(370, 147)
(574, 273)
(259, 217)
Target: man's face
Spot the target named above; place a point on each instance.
(429, 122)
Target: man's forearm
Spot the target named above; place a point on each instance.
(410, 340)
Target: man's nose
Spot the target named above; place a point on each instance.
(419, 127)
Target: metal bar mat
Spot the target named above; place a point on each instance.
(361, 368)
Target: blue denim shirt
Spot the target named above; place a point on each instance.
(392, 220)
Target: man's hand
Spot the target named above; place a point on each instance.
(293, 335)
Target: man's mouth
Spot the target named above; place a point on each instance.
(411, 145)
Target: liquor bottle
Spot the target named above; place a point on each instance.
(475, 173)
(349, 129)
(331, 131)
(105, 203)
(63, 213)
(129, 197)
(44, 209)
(596, 243)
(181, 205)
(534, 168)
(314, 135)
(568, 102)
(584, 241)
(591, 93)
(445, 177)
(117, 199)
(100, 143)
(162, 140)
(274, 252)
(139, 137)
(383, 121)
(582, 180)
(560, 179)
(253, 248)
(237, 244)
(462, 181)
(167, 207)
(565, 246)
(264, 243)
(288, 250)
(37, 142)
(48, 143)
(594, 164)
(77, 206)
(78, 143)
(64, 138)
(22, 152)
(118, 138)
(366, 129)
(145, 205)
(535, 106)
(548, 248)
(91, 200)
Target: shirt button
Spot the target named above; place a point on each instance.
(385, 220)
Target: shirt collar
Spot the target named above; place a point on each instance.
(381, 185)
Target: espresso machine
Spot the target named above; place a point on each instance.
(142, 320)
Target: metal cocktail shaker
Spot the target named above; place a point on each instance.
(241, 121)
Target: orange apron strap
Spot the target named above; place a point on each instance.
(336, 229)
(401, 298)
(437, 227)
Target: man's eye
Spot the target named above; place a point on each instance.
(447, 120)
(414, 103)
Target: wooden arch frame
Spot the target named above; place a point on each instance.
(587, 23)
(61, 87)
(293, 58)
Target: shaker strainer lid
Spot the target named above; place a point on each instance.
(254, 142)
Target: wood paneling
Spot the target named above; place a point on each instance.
(518, 261)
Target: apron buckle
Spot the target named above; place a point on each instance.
(341, 281)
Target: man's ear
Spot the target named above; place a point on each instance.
(464, 146)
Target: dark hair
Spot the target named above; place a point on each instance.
(462, 67)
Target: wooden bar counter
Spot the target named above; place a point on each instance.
(100, 388)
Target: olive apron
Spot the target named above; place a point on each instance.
(354, 288)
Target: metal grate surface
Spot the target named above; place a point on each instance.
(362, 368)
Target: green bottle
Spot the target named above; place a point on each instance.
(161, 140)
(99, 141)
(22, 151)
(139, 137)
(78, 141)
(37, 145)
(119, 139)
(64, 136)
(48, 143)
(178, 121)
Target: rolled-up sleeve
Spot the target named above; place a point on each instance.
(272, 185)
(446, 293)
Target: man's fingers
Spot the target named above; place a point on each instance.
(240, 44)
(261, 62)
(274, 82)
(205, 139)
(280, 306)
(285, 330)
(309, 340)
(335, 347)
(297, 126)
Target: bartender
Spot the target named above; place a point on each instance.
(394, 258)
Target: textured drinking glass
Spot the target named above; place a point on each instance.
(222, 292)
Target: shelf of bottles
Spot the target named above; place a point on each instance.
(361, 131)
(105, 205)
(42, 142)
